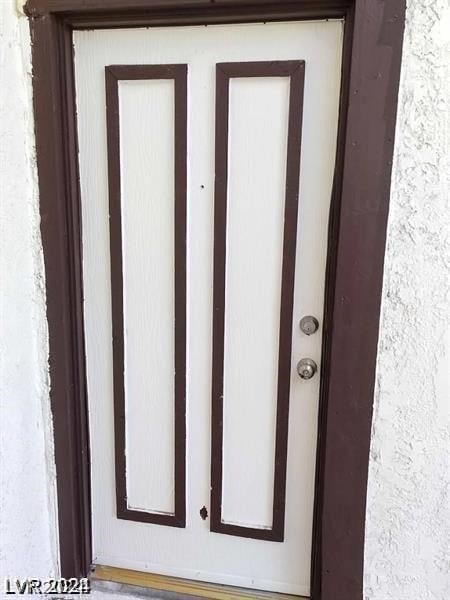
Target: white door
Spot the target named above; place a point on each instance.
(206, 167)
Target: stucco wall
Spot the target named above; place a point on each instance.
(407, 518)
(407, 523)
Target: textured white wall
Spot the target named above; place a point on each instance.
(407, 514)
(27, 491)
(408, 525)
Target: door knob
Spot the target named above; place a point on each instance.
(309, 325)
(306, 368)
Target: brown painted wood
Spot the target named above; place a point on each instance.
(360, 201)
(295, 70)
(69, 7)
(122, 13)
(113, 74)
(56, 150)
(356, 256)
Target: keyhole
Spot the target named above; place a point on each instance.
(203, 513)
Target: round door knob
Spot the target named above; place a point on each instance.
(306, 368)
(309, 325)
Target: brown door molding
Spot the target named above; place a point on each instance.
(295, 70)
(114, 74)
(360, 200)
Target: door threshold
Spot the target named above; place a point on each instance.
(185, 587)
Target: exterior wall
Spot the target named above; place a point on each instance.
(406, 512)
(27, 479)
(407, 526)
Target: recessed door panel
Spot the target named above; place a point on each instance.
(254, 250)
(147, 231)
(147, 206)
(205, 191)
(259, 108)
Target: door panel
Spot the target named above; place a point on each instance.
(259, 108)
(147, 210)
(254, 248)
(147, 206)
(148, 230)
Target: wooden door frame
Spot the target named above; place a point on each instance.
(356, 245)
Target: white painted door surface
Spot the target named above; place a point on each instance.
(192, 320)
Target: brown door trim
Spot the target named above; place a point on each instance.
(360, 201)
(295, 70)
(114, 74)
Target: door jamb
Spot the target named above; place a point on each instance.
(356, 244)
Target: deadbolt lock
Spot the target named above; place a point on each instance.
(306, 368)
(309, 325)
